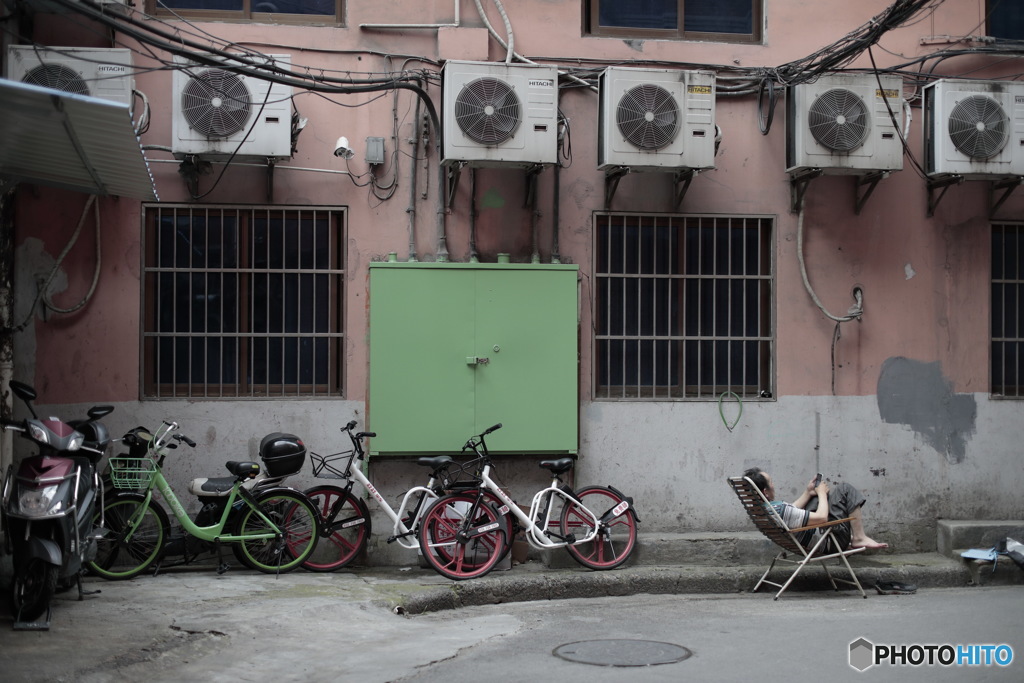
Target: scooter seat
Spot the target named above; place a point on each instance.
(220, 487)
(211, 486)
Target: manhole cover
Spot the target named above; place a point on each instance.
(622, 652)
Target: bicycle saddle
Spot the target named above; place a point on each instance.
(557, 466)
(246, 469)
(436, 462)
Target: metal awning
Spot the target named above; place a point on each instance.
(81, 143)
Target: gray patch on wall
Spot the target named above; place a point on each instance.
(916, 394)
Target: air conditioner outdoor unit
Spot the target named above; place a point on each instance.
(656, 119)
(498, 114)
(97, 72)
(845, 124)
(220, 114)
(974, 129)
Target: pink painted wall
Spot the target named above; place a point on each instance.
(939, 313)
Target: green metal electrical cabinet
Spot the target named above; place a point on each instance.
(458, 347)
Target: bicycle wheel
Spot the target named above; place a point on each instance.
(345, 532)
(293, 515)
(453, 551)
(616, 532)
(134, 537)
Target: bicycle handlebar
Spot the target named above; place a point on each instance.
(491, 429)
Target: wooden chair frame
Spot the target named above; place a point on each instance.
(767, 520)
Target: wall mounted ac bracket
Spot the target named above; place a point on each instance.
(193, 166)
(871, 181)
(1008, 185)
(681, 178)
(611, 183)
(798, 183)
(943, 183)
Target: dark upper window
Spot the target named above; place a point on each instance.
(720, 20)
(277, 11)
(1006, 19)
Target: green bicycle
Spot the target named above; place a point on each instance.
(275, 529)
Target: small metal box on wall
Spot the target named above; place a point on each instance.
(458, 347)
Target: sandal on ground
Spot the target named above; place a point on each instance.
(895, 588)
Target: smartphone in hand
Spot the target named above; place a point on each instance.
(817, 480)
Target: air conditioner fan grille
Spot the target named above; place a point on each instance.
(648, 117)
(216, 103)
(838, 120)
(487, 111)
(978, 126)
(58, 77)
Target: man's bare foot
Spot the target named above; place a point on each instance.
(869, 543)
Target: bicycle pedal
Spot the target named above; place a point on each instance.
(222, 567)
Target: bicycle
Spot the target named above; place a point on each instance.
(597, 525)
(274, 531)
(345, 520)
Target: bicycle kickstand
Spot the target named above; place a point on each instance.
(222, 566)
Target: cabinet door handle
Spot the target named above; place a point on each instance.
(476, 360)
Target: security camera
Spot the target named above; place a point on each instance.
(342, 148)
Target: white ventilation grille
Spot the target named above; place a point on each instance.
(978, 127)
(648, 116)
(838, 119)
(488, 111)
(216, 103)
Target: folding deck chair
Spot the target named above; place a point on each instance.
(768, 521)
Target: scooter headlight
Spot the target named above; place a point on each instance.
(38, 433)
(40, 502)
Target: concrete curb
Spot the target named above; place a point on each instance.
(529, 582)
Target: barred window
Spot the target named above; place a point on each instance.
(736, 21)
(242, 302)
(1007, 310)
(683, 307)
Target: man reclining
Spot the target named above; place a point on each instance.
(839, 502)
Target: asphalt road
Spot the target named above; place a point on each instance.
(243, 626)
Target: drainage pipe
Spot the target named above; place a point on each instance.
(473, 256)
(414, 168)
(556, 257)
(534, 217)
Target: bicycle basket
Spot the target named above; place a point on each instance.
(132, 473)
(322, 467)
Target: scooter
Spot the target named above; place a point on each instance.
(49, 505)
